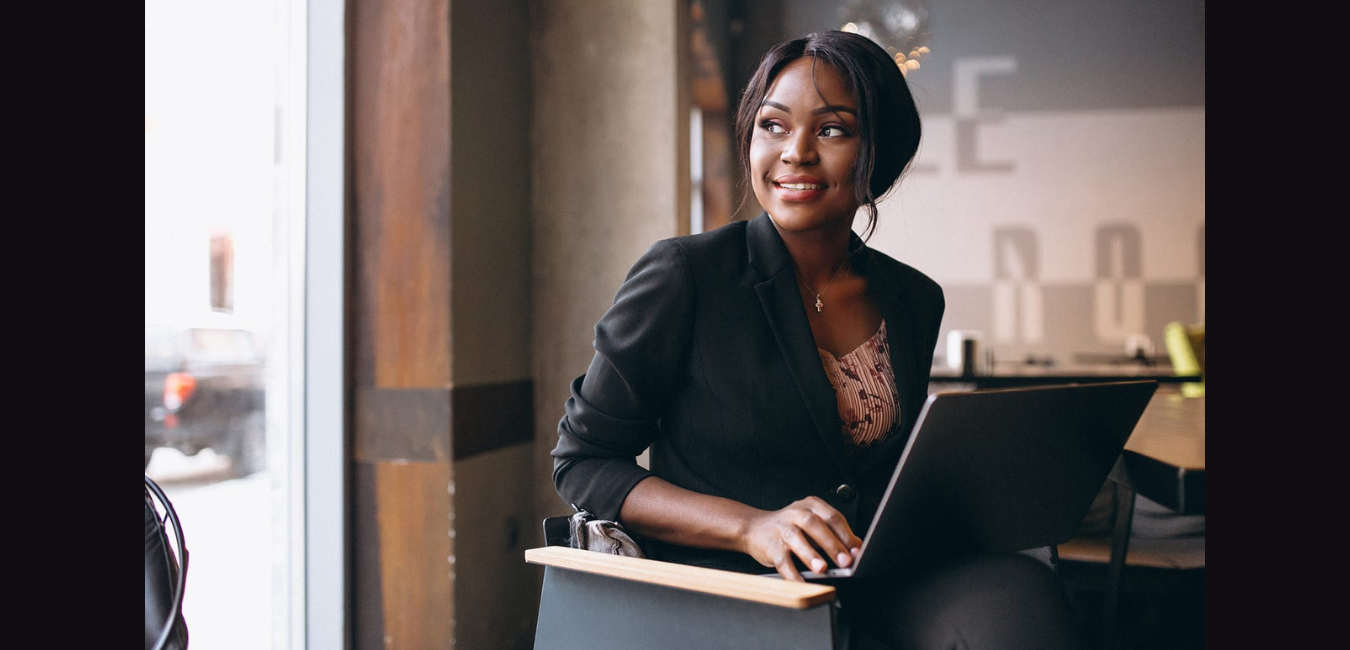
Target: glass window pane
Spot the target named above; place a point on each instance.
(216, 74)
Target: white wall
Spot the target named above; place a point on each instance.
(1059, 192)
(1080, 184)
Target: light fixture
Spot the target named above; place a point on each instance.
(902, 27)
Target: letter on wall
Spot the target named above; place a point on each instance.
(1118, 301)
(969, 115)
(1018, 307)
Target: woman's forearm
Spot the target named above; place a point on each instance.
(660, 510)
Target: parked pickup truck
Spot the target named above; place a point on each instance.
(204, 388)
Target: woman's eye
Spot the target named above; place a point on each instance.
(833, 131)
(772, 127)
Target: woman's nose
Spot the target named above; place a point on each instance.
(799, 149)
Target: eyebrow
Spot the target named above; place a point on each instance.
(833, 108)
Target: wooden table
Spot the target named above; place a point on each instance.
(1012, 375)
(1165, 457)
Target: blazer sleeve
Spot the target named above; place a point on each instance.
(614, 410)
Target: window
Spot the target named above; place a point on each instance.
(219, 296)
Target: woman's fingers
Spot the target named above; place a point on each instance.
(803, 549)
(839, 525)
(787, 568)
(809, 530)
(774, 542)
(829, 530)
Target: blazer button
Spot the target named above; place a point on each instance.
(845, 492)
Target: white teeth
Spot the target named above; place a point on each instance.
(800, 186)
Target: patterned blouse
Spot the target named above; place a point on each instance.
(864, 383)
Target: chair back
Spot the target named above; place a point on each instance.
(1186, 349)
(166, 566)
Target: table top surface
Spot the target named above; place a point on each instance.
(1164, 459)
(1006, 374)
(1172, 431)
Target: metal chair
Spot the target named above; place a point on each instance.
(166, 566)
(1186, 349)
(1111, 558)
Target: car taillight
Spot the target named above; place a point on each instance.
(178, 387)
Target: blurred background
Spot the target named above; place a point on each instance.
(378, 236)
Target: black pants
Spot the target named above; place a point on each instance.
(1004, 601)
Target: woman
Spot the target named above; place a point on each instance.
(775, 368)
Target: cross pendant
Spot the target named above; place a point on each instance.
(819, 304)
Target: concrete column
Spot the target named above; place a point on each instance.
(609, 160)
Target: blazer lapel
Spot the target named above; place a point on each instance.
(900, 335)
(782, 304)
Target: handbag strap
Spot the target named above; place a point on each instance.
(578, 534)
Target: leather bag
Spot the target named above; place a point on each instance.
(584, 531)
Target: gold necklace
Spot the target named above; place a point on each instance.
(819, 303)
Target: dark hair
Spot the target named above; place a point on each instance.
(888, 120)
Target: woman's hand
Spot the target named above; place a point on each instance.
(810, 530)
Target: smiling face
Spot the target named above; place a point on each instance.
(803, 149)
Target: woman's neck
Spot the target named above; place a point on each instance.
(817, 256)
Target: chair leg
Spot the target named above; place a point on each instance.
(1115, 575)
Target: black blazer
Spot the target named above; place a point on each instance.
(707, 357)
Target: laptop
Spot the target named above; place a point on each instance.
(997, 470)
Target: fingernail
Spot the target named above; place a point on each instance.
(844, 559)
(818, 564)
(855, 551)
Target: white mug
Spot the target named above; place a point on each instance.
(963, 351)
